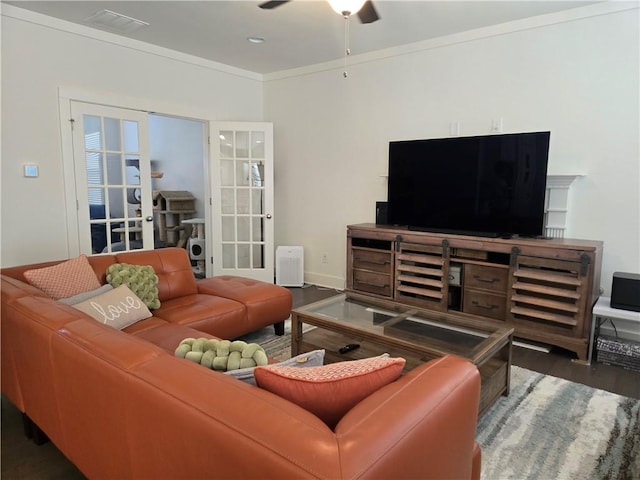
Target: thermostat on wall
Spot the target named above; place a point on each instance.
(30, 170)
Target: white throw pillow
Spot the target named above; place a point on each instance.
(118, 308)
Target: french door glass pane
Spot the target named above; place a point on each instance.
(228, 201)
(242, 144)
(243, 201)
(258, 229)
(258, 256)
(244, 259)
(112, 134)
(257, 144)
(228, 229)
(92, 132)
(114, 169)
(94, 168)
(116, 202)
(243, 229)
(131, 141)
(242, 173)
(226, 144)
(226, 173)
(228, 256)
(257, 201)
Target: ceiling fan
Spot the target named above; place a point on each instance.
(365, 10)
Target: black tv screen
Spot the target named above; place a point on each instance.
(491, 185)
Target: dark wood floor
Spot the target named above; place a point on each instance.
(22, 459)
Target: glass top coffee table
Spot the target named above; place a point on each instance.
(378, 326)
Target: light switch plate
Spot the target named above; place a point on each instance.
(30, 170)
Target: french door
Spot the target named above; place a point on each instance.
(113, 178)
(242, 193)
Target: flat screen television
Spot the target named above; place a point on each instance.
(491, 185)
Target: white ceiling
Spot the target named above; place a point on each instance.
(297, 34)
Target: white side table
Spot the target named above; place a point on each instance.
(602, 311)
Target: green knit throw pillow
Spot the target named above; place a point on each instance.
(141, 279)
(222, 355)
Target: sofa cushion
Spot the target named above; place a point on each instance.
(173, 267)
(217, 316)
(141, 279)
(64, 279)
(117, 308)
(266, 303)
(165, 335)
(332, 390)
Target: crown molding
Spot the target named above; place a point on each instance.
(564, 16)
(17, 13)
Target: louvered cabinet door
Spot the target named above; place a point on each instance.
(550, 295)
(421, 275)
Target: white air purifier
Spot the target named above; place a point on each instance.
(290, 266)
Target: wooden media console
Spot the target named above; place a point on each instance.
(542, 288)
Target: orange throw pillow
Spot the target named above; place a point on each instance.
(331, 390)
(64, 279)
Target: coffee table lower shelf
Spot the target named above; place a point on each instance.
(494, 372)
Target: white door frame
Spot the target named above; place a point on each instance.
(68, 94)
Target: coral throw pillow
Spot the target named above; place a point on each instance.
(64, 279)
(117, 308)
(332, 390)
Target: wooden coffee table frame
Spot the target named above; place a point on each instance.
(492, 356)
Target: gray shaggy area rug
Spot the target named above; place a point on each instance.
(550, 428)
(546, 429)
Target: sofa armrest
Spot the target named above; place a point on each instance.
(421, 426)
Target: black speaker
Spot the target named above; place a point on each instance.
(625, 291)
(381, 213)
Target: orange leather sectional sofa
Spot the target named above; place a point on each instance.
(120, 405)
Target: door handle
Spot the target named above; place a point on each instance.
(268, 216)
(149, 218)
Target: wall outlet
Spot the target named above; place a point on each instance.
(324, 258)
(496, 125)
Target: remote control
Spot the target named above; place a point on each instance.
(348, 348)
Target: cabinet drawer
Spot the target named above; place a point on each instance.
(484, 304)
(371, 260)
(372, 282)
(485, 277)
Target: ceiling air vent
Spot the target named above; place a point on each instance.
(116, 21)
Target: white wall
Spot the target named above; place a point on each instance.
(577, 78)
(177, 150)
(37, 59)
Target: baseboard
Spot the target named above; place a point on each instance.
(321, 280)
(531, 345)
(628, 330)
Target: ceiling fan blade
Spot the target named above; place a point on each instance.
(368, 14)
(272, 4)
